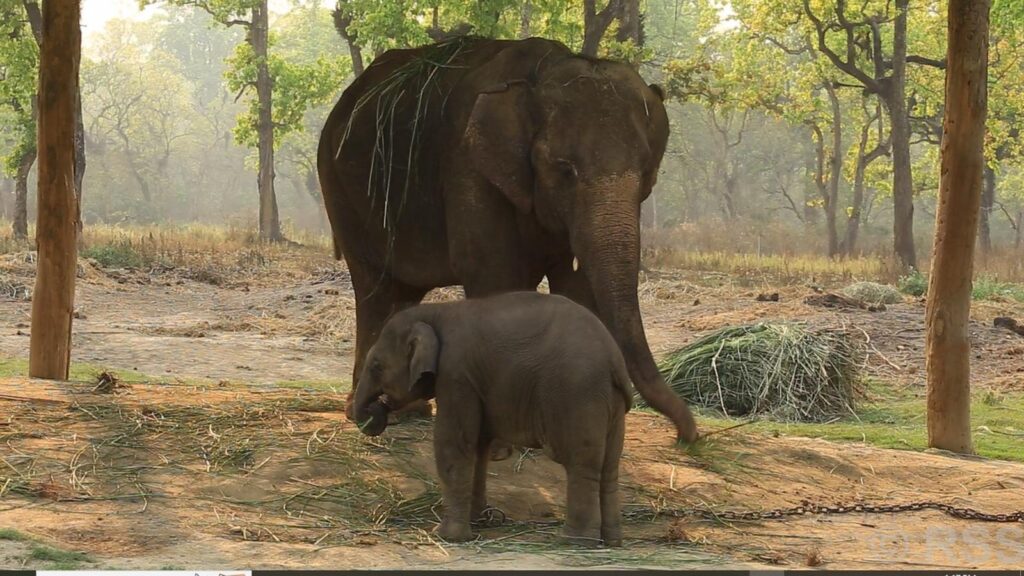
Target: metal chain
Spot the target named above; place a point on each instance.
(809, 508)
(496, 517)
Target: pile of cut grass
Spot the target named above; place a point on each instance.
(783, 372)
(873, 293)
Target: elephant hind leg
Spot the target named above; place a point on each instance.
(483, 458)
(378, 296)
(583, 506)
(611, 503)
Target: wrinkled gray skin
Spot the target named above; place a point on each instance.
(532, 163)
(522, 368)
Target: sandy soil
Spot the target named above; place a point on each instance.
(233, 472)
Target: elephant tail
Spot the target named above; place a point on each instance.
(620, 376)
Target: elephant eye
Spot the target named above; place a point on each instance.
(376, 367)
(567, 168)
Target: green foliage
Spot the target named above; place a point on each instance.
(297, 87)
(984, 287)
(120, 254)
(19, 63)
(989, 288)
(913, 284)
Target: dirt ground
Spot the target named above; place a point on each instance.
(218, 466)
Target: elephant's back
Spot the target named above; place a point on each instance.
(544, 321)
(380, 149)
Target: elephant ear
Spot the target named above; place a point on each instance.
(499, 136)
(423, 352)
(658, 91)
(499, 133)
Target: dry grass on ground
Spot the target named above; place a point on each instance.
(227, 443)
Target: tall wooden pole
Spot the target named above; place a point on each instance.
(956, 225)
(54, 297)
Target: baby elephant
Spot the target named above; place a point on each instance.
(522, 368)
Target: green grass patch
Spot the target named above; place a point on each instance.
(988, 288)
(892, 419)
(86, 372)
(12, 535)
(321, 385)
(120, 253)
(59, 559)
(80, 372)
(984, 287)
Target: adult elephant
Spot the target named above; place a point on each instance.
(492, 164)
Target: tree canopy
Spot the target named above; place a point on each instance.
(784, 113)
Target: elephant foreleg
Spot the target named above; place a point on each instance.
(377, 297)
(456, 452)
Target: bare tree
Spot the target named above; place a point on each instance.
(963, 165)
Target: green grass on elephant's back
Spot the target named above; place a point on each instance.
(417, 79)
(784, 372)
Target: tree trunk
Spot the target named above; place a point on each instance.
(864, 159)
(595, 24)
(1019, 236)
(342, 21)
(949, 290)
(812, 170)
(525, 16)
(835, 174)
(902, 179)
(53, 299)
(21, 194)
(6, 192)
(729, 196)
(988, 200)
(819, 178)
(270, 225)
(1019, 230)
(629, 21)
(79, 159)
(857, 204)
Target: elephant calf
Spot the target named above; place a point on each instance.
(522, 368)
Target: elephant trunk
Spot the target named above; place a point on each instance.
(371, 414)
(606, 240)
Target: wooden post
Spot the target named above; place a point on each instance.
(956, 224)
(54, 297)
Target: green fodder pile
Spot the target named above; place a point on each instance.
(781, 371)
(873, 293)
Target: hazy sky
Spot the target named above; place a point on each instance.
(96, 13)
